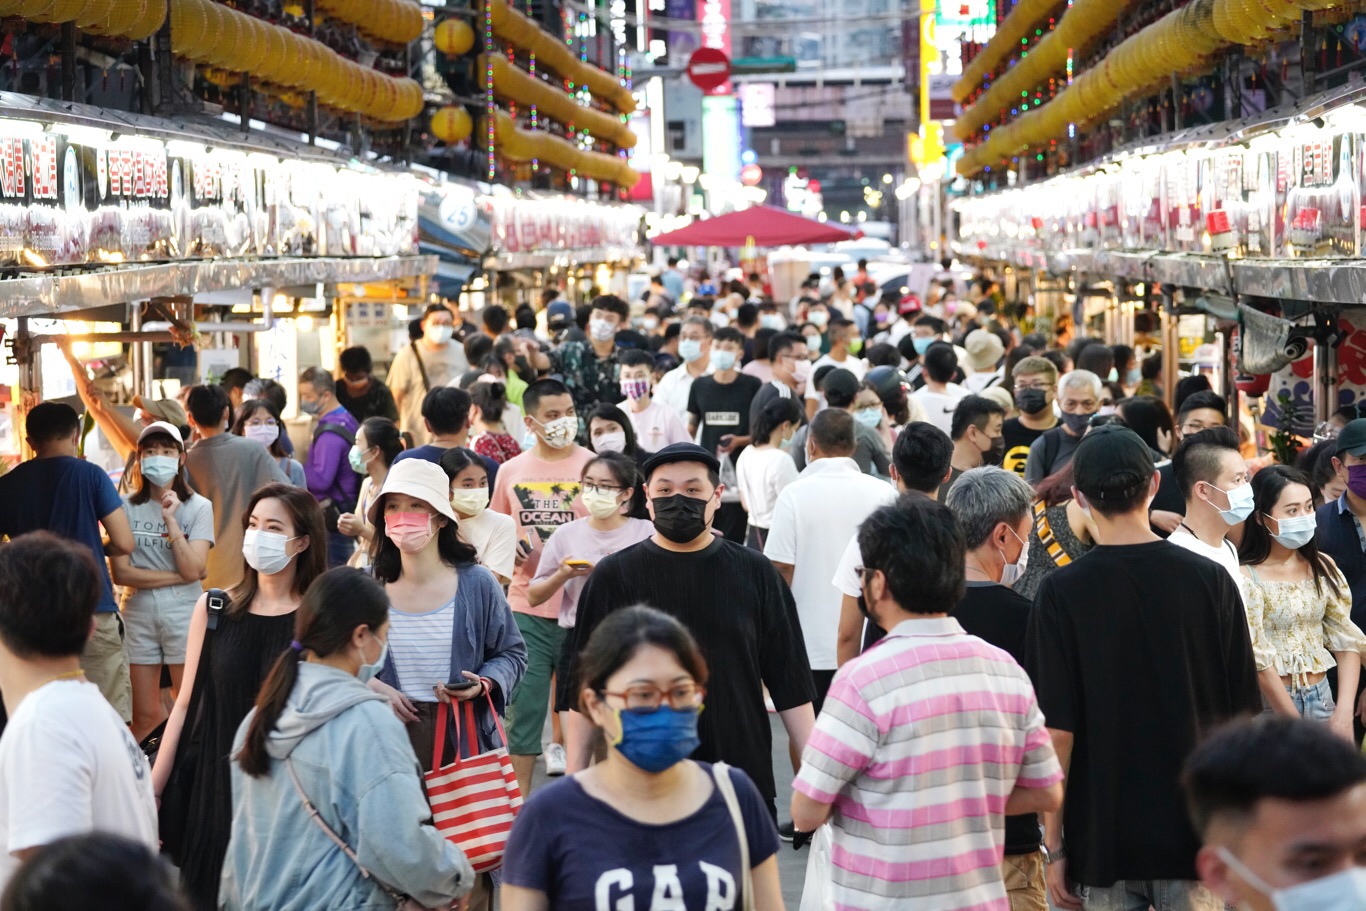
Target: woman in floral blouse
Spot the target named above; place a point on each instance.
(1298, 605)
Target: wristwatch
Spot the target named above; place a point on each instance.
(1052, 857)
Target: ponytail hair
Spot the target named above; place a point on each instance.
(335, 604)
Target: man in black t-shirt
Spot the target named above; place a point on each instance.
(1198, 411)
(993, 507)
(718, 406)
(729, 597)
(1136, 652)
(791, 370)
(1035, 382)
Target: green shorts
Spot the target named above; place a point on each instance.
(530, 701)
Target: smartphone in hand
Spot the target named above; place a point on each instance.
(462, 684)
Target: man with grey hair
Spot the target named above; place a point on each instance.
(993, 507)
(328, 468)
(1079, 400)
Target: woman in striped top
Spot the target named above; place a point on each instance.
(452, 637)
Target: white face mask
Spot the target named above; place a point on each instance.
(438, 334)
(1011, 572)
(265, 551)
(601, 330)
(560, 432)
(1345, 891)
(469, 501)
(610, 442)
(265, 434)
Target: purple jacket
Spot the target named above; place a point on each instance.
(328, 469)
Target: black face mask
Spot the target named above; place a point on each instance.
(997, 453)
(680, 518)
(1031, 401)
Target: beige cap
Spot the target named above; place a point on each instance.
(984, 349)
(419, 479)
(168, 410)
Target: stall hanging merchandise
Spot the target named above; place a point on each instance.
(209, 33)
(1178, 42)
(135, 20)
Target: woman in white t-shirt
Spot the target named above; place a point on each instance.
(172, 531)
(492, 534)
(614, 494)
(765, 467)
(378, 443)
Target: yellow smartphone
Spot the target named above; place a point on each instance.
(577, 563)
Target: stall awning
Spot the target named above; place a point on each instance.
(764, 226)
(43, 295)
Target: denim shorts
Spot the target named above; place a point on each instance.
(1313, 702)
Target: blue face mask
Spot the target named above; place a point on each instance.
(922, 344)
(368, 672)
(1133, 377)
(690, 349)
(658, 740)
(869, 417)
(160, 470)
(722, 360)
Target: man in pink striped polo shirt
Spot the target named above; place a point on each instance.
(927, 740)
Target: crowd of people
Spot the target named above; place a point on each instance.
(1033, 637)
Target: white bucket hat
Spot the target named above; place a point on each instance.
(419, 479)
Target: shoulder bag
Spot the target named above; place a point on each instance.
(474, 800)
(1045, 533)
(421, 368)
(721, 772)
(173, 816)
(401, 901)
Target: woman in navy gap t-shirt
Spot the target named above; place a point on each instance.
(647, 822)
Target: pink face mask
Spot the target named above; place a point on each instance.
(410, 531)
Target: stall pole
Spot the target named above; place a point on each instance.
(1171, 353)
(1326, 369)
(69, 61)
(30, 385)
(136, 350)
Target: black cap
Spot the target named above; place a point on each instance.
(1352, 438)
(680, 452)
(1112, 463)
(840, 381)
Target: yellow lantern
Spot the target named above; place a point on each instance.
(454, 37)
(452, 125)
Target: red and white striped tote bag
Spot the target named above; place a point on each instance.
(474, 800)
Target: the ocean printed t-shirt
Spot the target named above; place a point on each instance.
(540, 496)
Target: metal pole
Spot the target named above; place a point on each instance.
(137, 352)
(69, 61)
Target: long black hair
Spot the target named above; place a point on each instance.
(624, 469)
(306, 517)
(383, 433)
(247, 410)
(609, 412)
(386, 560)
(1267, 487)
(335, 604)
(772, 415)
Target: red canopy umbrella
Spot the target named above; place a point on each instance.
(764, 226)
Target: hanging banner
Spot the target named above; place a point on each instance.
(66, 201)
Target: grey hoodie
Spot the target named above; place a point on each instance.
(357, 767)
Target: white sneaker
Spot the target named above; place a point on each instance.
(555, 760)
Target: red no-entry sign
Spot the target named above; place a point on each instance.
(708, 68)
